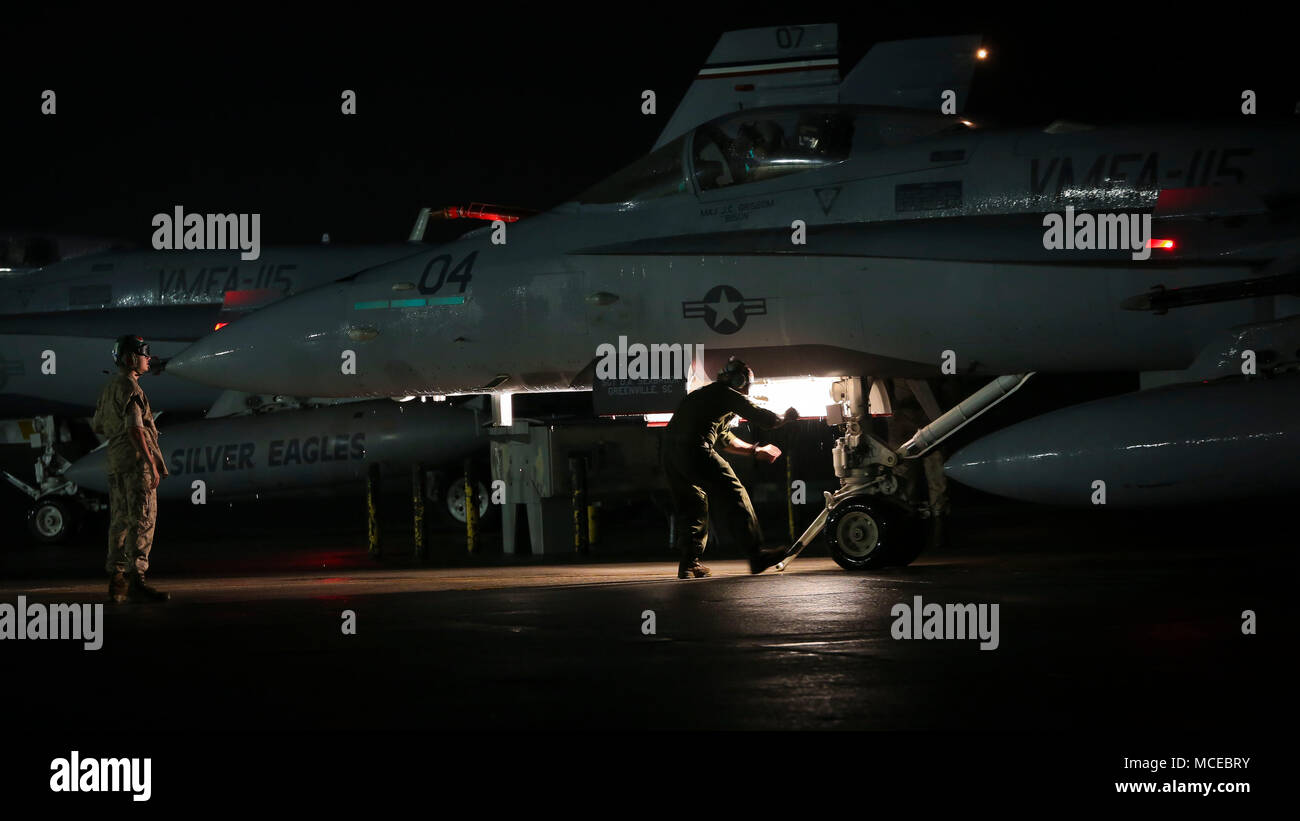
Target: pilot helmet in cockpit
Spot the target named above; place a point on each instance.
(809, 135)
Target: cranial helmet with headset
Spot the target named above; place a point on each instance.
(735, 374)
(127, 345)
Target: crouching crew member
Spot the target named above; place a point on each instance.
(700, 478)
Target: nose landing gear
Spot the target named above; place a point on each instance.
(58, 506)
(873, 521)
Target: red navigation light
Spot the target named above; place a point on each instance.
(475, 211)
(1165, 244)
(220, 325)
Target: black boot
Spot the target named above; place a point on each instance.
(117, 587)
(763, 559)
(141, 592)
(686, 570)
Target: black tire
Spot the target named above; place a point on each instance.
(53, 520)
(860, 534)
(915, 537)
(866, 534)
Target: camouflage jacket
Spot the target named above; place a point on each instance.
(113, 420)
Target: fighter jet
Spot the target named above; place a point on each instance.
(871, 236)
(63, 300)
(58, 321)
(58, 318)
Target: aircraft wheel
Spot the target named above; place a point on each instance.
(454, 501)
(860, 534)
(53, 520)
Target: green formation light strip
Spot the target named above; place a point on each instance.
(432, 301)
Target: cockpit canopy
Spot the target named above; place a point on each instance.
(657, 174)
(763, 144)
(755, 147)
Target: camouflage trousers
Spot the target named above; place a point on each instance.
(700, 479)
(133, 507)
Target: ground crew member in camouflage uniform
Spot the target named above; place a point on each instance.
(135, 466)
(700, 478)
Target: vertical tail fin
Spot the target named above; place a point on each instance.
(913, 73)
(759, 67)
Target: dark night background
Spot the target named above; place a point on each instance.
(238, 111)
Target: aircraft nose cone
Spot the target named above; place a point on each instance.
(212, 360)
(290, 347)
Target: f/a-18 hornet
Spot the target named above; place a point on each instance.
(855, 229)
